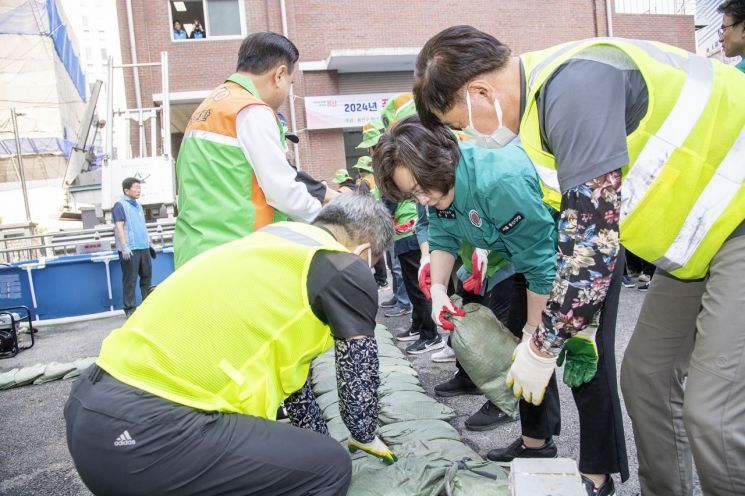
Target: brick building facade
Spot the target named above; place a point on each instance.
(354, 48)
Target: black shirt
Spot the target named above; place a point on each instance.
(343, 294)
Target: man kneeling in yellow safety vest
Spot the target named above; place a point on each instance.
(183, 397)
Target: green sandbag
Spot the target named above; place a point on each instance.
(7, 379)
(54, 371)
(394, 376)
(327, 399)
(386, 362)
(401, 369)
(26, 375)
(460, 481)
(337, 429)
(331, 411)
(412, 430)
(324, 383)
(484, 348)
(390, 350)
(406, 477)
(448, 450)
(81, 365)
(405, 405)
(390, 387)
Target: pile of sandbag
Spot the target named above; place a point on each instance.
(432, 459)
(39, 374)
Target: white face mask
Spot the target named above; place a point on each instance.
(497, 139)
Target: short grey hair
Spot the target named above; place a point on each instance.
(363, 218)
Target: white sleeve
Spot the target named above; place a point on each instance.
(258, 136)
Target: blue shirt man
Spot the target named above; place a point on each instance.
(132, 243)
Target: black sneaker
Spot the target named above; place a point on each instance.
(410, 334)
(382, 286)
(606, 489)
(389, 303)
(487, 418)
(398, 312)
(425, 345)
(644, 287)
(458, 385)
(519, 450)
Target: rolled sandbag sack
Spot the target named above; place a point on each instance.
(484, 347)
(54, 371)
(337, 429)
(26, 375)
(417, 430)
(8, 379)
(406, 405)
(81, 365)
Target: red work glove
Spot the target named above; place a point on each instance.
(425, 277)
(405, 227)
(480, 260)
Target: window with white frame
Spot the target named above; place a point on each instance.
(195, 20)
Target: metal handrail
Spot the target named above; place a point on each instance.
(66, 242)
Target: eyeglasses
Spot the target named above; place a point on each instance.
(724, 28)
(417, 193)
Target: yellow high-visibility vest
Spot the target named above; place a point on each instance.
(682, 191)
(232, 330)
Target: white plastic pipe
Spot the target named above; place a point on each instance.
(293, 118)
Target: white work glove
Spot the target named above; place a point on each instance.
(376, 448)
(528, 331)
(443, 306)
(479, 260)
(126, 253)
(530, 373)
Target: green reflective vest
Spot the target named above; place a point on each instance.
(231, 331)
(682, 191)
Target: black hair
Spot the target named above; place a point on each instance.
(128, 182)
(262, 52)
(177, 21)
(733, 8)
(430, 154)
(449, 60)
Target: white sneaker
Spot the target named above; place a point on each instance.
(644, 277)
(445, 355)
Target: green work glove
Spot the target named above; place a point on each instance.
(376, 448)
(581, 356)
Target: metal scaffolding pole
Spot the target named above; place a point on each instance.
(19, 155)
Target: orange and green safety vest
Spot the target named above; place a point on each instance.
(219, 198)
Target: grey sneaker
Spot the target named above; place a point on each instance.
(425, 345)
(409, 334)
(398, 312)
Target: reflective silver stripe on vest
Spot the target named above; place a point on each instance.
(289, 235)
(404, 107)
(213, 137)
(714, 199)
(538, 69)
(549, 177)
(675, 130)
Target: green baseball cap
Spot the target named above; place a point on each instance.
(364, 163)
(371, 133)
(341, 176)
